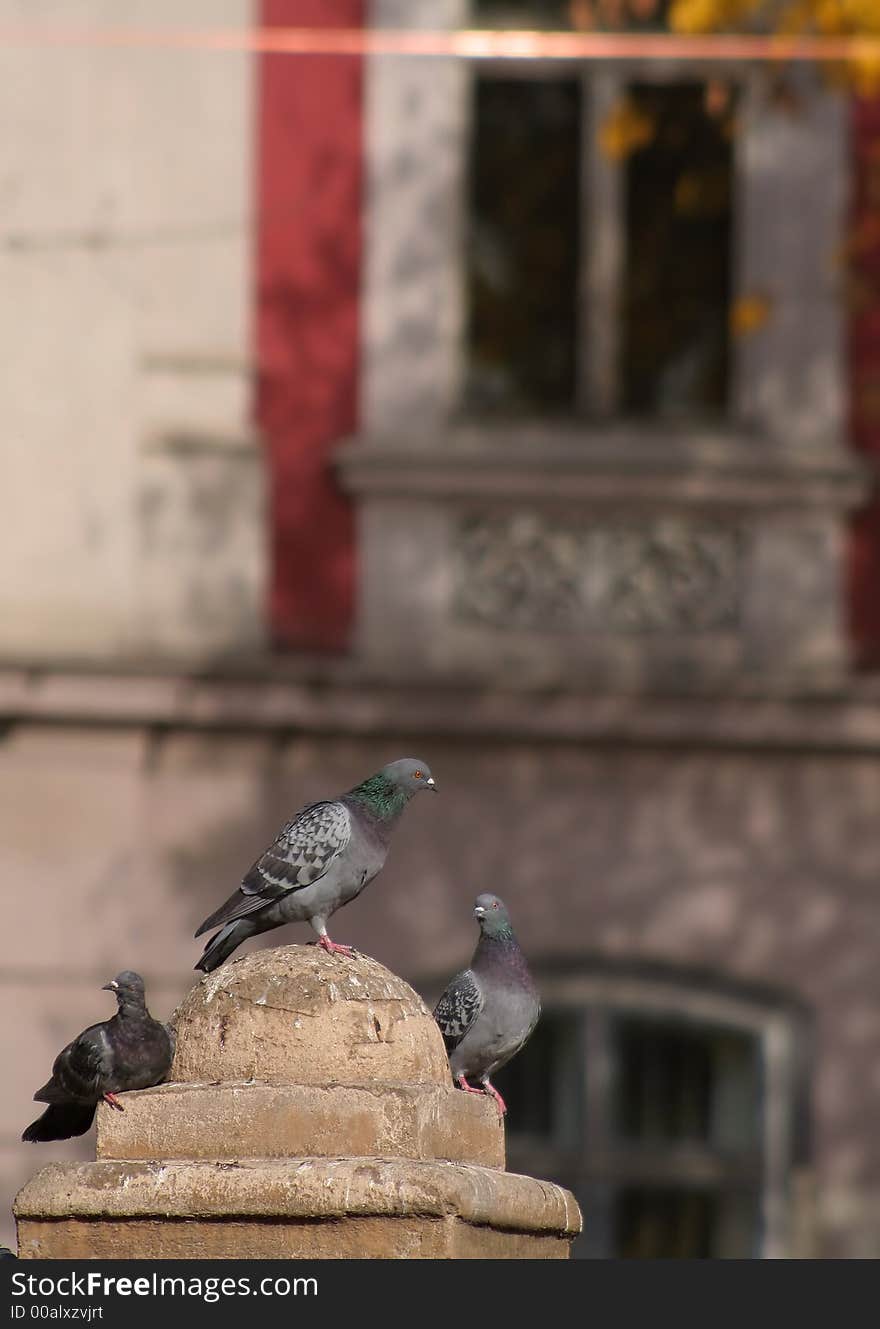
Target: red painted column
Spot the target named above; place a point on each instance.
(308, 274)
(864, 361)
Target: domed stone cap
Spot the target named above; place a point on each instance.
(295, 1015)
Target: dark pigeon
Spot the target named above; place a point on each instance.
(489, 1011)
(130, 1051)
(322, 859)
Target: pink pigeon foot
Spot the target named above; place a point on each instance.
(114, 1102)
(333, 947)
(468, 1088)
(499, 1101)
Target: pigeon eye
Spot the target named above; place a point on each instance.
(418, 775)
(494, 904)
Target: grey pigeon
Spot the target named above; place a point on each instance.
(322, 859)
(130, 1051)
(489, 1011)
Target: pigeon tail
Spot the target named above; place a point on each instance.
(61, 1121)
(223, 944)
(238, 905)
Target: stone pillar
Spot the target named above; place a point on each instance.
(310, 1114)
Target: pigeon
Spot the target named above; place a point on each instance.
(488, 1012)
(130, 1051)
(321, 860)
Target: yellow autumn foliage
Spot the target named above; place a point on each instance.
(625, 129)
(749, 313)
(695, 16)
(817, 18)
(829, 18)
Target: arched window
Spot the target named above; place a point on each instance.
(674, 1107)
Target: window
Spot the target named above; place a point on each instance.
(601, 15)
(677, 270)
(523, 252)
(676, 1129)
(685, 1083)
(599, 241)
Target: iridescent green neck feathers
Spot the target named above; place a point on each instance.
(381, 796)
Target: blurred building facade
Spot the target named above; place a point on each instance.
(499, 413)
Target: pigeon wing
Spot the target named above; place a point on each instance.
(79, 1069)
(301, 854)
(459, 1007)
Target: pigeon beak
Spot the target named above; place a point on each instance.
(112, 986)
(429, 783)
(479, 912)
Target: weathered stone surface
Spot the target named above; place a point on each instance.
(412, 308)
(199, 1121)
(295, 1015)
(330, 1208)
(315, 1154)
(633, 559)
(131, 546)
(240, 1239)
